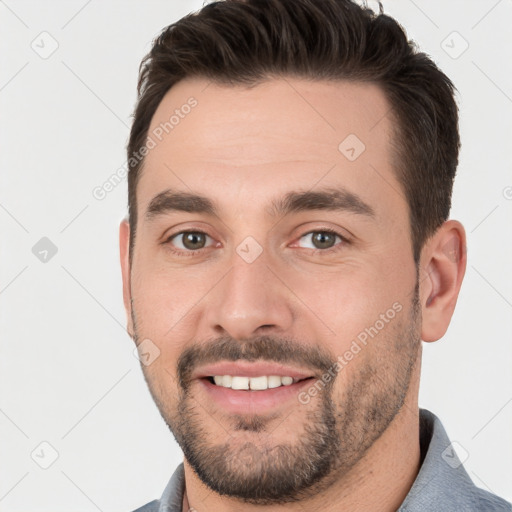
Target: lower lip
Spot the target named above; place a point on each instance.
(252, 401)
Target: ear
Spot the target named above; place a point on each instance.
(124, 251)
(442, 268)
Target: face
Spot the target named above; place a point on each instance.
(273, 282)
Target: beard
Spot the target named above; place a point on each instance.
(336, 430)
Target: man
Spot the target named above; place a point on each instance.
(287, 250)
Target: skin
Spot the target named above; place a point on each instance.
(242, 148)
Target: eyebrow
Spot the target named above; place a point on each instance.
(329, 199)
(339, 199)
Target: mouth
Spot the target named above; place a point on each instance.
(245, 387)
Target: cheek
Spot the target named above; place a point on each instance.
(352, 299)
(163, 297)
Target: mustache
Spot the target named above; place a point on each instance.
(267, 348)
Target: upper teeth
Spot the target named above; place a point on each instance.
(259, 383)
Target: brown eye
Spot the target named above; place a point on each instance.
(189, 240)
(320, 240)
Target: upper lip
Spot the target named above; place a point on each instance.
(250, 369)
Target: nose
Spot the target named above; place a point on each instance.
(249, 300)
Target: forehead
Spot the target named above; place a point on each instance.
(280, 134)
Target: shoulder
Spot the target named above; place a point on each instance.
(485, 501)
(442, 482)
(149, 507)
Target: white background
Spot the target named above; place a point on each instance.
(68, 374)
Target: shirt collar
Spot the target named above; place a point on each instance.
(442, 482)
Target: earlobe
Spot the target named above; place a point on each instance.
(444, 264)
(124, 251)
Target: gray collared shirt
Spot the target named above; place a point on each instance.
(442, 484)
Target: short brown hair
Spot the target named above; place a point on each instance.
(248, 41)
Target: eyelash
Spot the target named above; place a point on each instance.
(190, 253)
